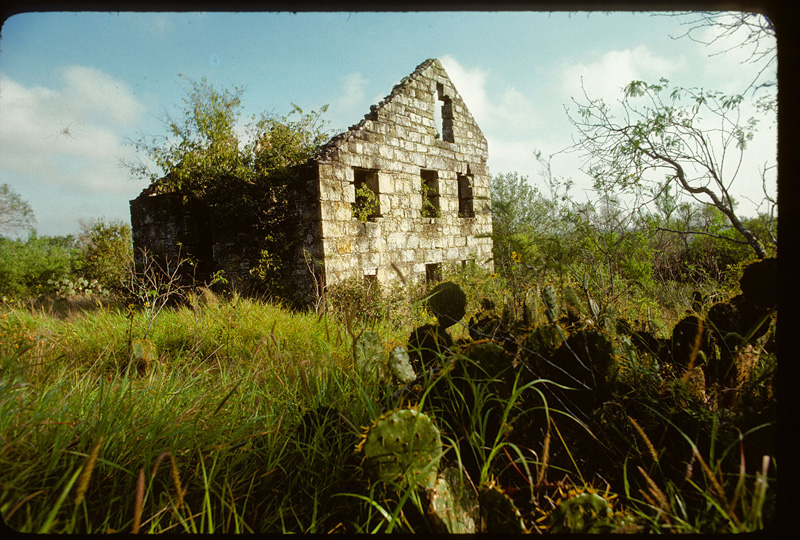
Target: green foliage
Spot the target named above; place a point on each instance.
(28, 268)
(232, 401)
(366, 204)
(428, 209)
(104, 251)
(15, 214)
(656, 134)
(66, 288)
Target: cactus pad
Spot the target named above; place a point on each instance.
(402, 447)
(582, 513)
(498, 513)
(448, 303)
(759, 283)
(369, 352)
(550, 302)
(453, 504)
(400, 365)
(425, 344)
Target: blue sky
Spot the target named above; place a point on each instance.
(74, 87)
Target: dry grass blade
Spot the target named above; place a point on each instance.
(655, 491)
(714, 482)
(138, 503)
(545, 457)
(17, 506)
(176, 479)
(720, 491)
(86, 474)
(645, 438)
(399, 273)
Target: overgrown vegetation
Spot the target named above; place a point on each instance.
(226, 414)
(608, 376)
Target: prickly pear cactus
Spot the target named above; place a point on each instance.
(369, 353)
(573, 305)
(530, 308)
(542, 341)
(759, 283)
(453, 504)
(550, 302)
(426, 344)
(402, 448)
(489, 361)
(400, 365)
(499, 515)
(582, 513)
(448, 303)
(690, 336)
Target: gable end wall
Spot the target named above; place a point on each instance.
(398, 138)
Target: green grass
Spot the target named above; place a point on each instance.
(231, 382)
(242, 416)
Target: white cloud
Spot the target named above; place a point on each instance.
(605, 77)
(350, 102)
(68, 137)
(510, 113)
(471, 85)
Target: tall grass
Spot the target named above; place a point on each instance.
(240, 416)
(209, 423)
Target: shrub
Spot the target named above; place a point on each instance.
(104, 250)
(26, 266)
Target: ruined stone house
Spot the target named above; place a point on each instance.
(417, 157)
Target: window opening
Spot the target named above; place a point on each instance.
(433, 273)
(429, 189)
(443, 113)
(465, 206)
(367, 205)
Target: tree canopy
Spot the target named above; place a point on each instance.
(16, 214)
(207, 152)
(689, 139)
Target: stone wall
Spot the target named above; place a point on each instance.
(420, 135)
(400, 142)
(171, 229)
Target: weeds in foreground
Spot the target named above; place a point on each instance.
(245, 418)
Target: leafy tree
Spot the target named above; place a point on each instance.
(16, 214)
(203, 155)
(520, 217)
(104, 251)
(671, 136)
(241, 173)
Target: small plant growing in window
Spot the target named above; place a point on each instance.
(429, 209)
(366, 205)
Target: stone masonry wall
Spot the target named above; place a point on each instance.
(398, 140)
(170, 229)
(422, 133)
